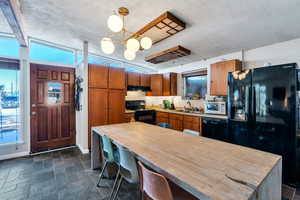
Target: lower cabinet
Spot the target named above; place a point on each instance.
(176, 121)
(128, 117)
(192, 123)
(162, 117)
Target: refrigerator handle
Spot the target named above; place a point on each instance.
(249, 108)
(254, 104)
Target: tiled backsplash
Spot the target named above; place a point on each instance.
(158, 100)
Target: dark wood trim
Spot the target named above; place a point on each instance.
(168, 54)
(11, 11)
(196, 73)
(155, 22)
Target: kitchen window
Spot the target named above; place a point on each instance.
(195, 85)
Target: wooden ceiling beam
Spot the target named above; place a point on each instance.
(12, 12)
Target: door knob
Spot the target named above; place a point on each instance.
(33, 113)
(33, 105)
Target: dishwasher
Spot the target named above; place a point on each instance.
(215, 128)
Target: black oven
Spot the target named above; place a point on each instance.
(146, 116)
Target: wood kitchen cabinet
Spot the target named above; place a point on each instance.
(156, 85)
(133, 79)
(162, 117)
(192, 123)
(128, 117)
(116, 78)
(163, 84)
(176, 121)
(145, 80)
(219, 72)
(98, 76)
(106, 95)
(98, 109)
(170, 84)
(116, 106)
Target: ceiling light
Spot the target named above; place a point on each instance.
(107, 46)
(133, 44)
(115, 23)
(146, 43)
(129, 55)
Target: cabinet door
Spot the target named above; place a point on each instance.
(176, 124)
(157, 84)
(191, 123)
(162, 120)
(169, 84)
(219, 73)
(128, 117)
(173, 84)
(98, 76)
(98, 109)
(176, 121)
(145, 80)
(116, 106)
(133, 78)
(116, 78)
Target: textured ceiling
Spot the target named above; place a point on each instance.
(4, 27)
(214, 27)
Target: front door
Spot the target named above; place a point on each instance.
(52, 107)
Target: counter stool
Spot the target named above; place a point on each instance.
(110, 156)
(164, 125)
(127, 170)
(191, 132)
(155, 186)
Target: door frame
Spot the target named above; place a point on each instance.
(31, 81)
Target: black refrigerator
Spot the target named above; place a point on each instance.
(262, 112)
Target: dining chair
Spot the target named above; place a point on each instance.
(128, 171)
(164, 125)
(191, 132)
(156, 187)
(288, 193)
(109, 155)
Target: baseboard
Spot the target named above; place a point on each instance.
(83, 151)
(14, 155)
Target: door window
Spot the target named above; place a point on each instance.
(54, 93)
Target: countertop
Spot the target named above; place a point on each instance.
(207, 168)
(182, 113)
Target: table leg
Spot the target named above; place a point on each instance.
(95, 156)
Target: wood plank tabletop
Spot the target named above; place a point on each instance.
(207, 168)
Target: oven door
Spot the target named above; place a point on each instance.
(146, 116)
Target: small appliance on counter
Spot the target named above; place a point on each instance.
(141, 113)
(214, 105)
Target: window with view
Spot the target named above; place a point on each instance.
(195, 85)
(9, 104)
(47, 53)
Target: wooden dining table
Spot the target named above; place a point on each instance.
(206, 168)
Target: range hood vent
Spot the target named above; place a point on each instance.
(138, 88)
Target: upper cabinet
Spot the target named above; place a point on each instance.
(156, 85)
(134, 78)
(116, 78)
(145, 80)
(98, 76)
(163, 84)
(170, 84)
(219, 72)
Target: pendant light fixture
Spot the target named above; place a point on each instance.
(116, 24)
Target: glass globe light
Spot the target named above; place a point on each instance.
(133, 45)
(107, 46)
(115, 23)
(129, 55)
(146, 43)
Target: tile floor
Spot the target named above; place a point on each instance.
(60, 175)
